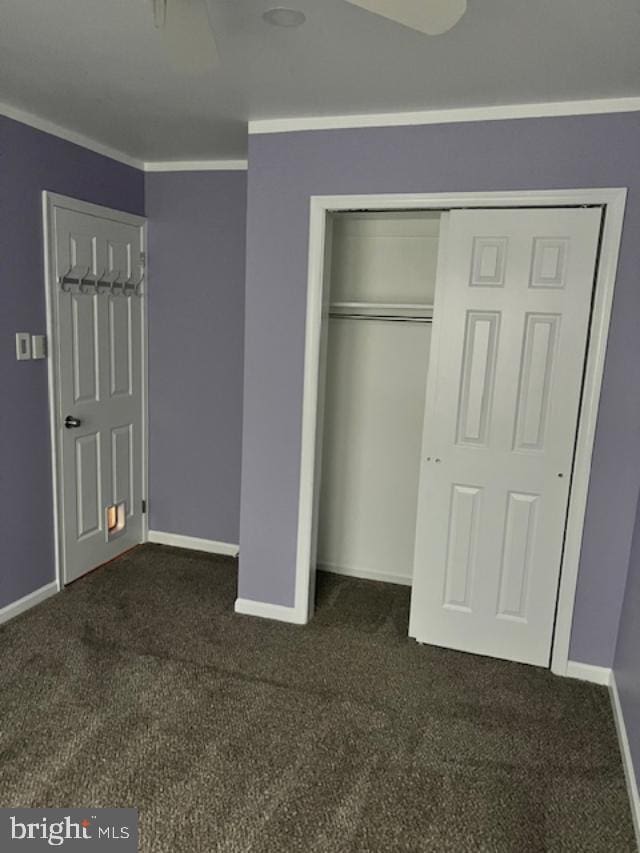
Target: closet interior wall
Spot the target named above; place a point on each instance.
(382, 284)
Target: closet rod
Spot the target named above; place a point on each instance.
(388, 318)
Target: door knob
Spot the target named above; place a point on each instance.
(71, 423)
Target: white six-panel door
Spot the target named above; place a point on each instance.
(509, 338)
(99, 381)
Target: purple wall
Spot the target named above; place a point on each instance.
(627, 661)
(32, 161)
(197, 225)
(284, 170)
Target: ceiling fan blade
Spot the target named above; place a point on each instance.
(431, 17)
(188, 37)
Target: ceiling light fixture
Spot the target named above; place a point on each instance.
(280, 17)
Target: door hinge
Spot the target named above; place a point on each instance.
(143, 259)
(144, 506)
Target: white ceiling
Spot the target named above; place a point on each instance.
(98, 67)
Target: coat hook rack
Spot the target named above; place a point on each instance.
(107, 282)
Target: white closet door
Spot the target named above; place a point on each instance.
(511, 318)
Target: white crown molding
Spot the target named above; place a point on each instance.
(196, 166)
(445, 116)
(286, 125)
(193, 543)
(83, 141)
(47, 126)
(27, 601)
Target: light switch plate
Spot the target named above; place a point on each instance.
(23, 346)
(38, 346)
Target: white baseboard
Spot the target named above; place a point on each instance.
(247, 607)
(627, 759)
(227, 549)
(365, 574)
(588, 672)
(28, 601)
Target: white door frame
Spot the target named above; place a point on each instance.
(49, 201)
(613, 201)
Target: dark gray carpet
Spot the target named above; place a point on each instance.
(138, 686)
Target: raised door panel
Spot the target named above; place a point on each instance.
(82, 255)
(536, 377)
(462, 546)
(489, 261)
(481, 337)
(550, 261)
(517, 555)
(120, 344)
(85, 352)
(88, 485)
(119, 259)
(122, 455)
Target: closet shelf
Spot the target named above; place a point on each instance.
(383, 306)
(415, 311)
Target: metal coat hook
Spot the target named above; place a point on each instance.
(103, 284)
(106, 280)
(117, 286)
(89, 283)
(68, 279)
(134, 287)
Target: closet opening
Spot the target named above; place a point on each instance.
(454, 352)
(381, 287)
